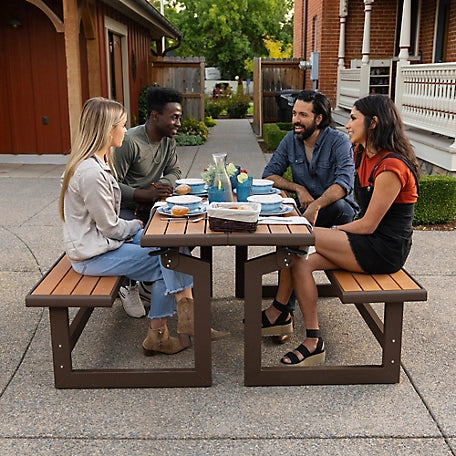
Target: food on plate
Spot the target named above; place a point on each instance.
(179, 211)
(183, 189)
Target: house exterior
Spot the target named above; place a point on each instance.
(56, 54)
(402, 48)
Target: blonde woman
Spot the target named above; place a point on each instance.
(98, 242)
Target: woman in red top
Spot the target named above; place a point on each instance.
(379, 240)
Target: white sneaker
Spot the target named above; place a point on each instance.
(144, 292)
(131, 301)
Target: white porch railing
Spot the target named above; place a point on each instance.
(428, 100)
(349, 87)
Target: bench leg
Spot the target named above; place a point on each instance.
(392, 340)
(61, 345)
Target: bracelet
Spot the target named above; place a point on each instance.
(334, 227)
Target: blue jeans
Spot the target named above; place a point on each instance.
(133, 261)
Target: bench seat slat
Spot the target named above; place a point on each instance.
(346, 280)
(64, 287)
(68, 283)
(105, 286)
(386, 282)
(366, 288)
(86, 286)
(404, 280)
(48, 283)
(366, 282)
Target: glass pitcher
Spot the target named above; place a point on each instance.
(221, 178)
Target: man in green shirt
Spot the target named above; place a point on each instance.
(147, 170)
(146, 163)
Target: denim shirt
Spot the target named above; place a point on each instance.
(332, 163)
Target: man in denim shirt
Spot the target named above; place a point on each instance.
(321, 162)
(322, 167)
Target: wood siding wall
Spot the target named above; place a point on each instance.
(33, 87)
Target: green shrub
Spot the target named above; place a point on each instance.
(188, 140)
(209, 122)
(437, 201)
(272, 135)
(237, 107)
(192, 127)
(142, 106)
(287, 174)
(287, 126)
(213, 109)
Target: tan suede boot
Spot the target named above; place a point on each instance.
(158, 340)
(185, 320)
(185, 316)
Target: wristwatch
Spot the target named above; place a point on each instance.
(334, 227)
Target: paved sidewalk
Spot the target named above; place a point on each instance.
(415, 417)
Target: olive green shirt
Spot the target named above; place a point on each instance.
(139, 162)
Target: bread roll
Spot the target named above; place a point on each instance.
(183, 189)
(179, 211)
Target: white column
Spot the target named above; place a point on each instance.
(365, 67)
(343, 12)
(367, 27)
(404, 44)
(404, 40)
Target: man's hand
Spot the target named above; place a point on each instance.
(156, 191)
(304, 197)
(311, 213)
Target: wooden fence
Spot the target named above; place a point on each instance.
(185, 74)
(272, 76)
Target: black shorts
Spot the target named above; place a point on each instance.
(378, 255)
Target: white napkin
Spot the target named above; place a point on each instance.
(289, 200)
(160, 204)
(277, 220)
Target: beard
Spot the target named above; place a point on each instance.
(307, 132)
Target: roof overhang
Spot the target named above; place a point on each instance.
(144, 13)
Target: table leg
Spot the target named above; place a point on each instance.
(254, 271)
(240, 259)
(201, 272)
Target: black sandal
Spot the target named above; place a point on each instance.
(309, 359)
(281, 326)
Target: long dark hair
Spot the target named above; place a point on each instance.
(389, 133)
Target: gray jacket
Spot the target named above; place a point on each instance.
(92, 203)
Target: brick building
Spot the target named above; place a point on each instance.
(402, 48)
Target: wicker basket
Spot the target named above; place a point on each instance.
(228, 216)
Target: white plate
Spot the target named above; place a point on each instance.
(183, 199)
(190, 181)
(273, 191)
(284, 209)
(166, 210)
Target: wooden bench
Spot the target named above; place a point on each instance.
(62, 288)
(362, 290)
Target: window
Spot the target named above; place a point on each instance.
(441, 30)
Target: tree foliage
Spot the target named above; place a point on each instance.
(229, 33)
